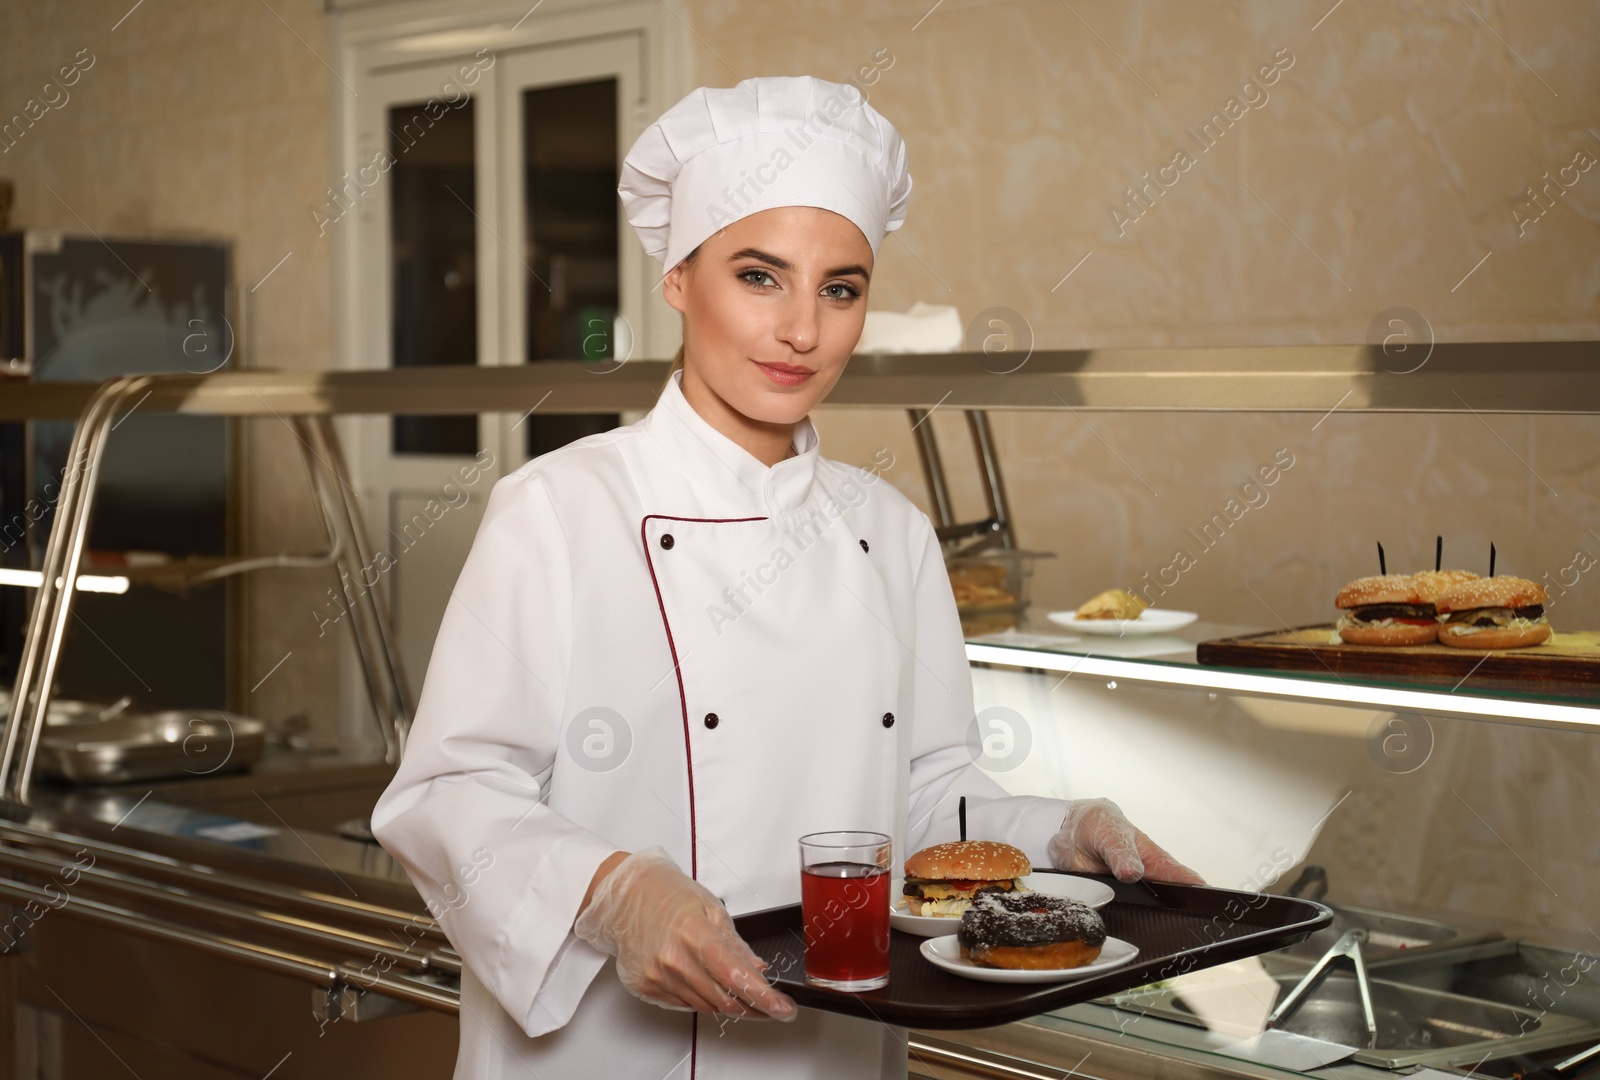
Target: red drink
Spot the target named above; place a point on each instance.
(845, 908)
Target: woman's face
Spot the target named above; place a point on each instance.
(773, 306)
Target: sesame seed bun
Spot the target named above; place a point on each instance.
(1388, 589)
(1394, 634)
(1433, 584)
(1509, 592)
(1499, 637)
(968, 860)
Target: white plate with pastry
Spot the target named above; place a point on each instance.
(1150, 621)
(1094, 893)
(945, 952)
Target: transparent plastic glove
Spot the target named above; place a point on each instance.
(1097, 838)
(675, 943)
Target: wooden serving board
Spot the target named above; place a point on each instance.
(1568, 664)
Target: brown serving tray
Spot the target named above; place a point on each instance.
(1567, 665)
(1177, 928)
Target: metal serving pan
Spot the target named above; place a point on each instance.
(1416, 1025)
(151, 746)
(1521, 971)
(71, 711)
(1392, 937)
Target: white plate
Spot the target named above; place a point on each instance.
(945, 952)
(1150, 621)
(1085, 890)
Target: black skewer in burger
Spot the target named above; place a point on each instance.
(1432, 584)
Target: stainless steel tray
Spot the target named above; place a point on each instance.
(1542, 976)
(151, 746)
(1417, 1025)
(1391, 937)
(71, 711)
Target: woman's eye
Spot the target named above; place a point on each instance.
(849, 292)
(756, 277)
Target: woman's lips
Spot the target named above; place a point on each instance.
(784, 374)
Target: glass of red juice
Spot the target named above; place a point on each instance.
(844, 904)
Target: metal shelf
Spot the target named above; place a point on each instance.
(1533, 377)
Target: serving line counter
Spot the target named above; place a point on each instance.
(186, 924)
(150, 910)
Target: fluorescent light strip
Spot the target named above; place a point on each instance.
(1196, 677)
(32, 579)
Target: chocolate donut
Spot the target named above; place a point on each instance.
(1030, 930)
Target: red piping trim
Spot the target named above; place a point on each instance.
(683, 705)
(677, 670)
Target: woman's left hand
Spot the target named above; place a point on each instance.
(1097, 838)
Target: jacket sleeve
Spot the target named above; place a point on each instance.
(465, 814)
(943, 714)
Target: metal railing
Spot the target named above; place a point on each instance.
(349, 550)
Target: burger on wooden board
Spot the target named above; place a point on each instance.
(1494, 613)
(942, 880)
(1396, 609)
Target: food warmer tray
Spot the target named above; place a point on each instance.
(173, 743)
(1177, 928)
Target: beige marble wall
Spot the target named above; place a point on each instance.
(199, 118)
(1387, 152)
(1383, 161)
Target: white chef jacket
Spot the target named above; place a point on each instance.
(658, 640)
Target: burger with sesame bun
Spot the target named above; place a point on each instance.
(1494, 613)
(943, 879)
(1387, 610)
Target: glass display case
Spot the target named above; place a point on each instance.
(1420, 811)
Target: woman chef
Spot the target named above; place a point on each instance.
(678, 646)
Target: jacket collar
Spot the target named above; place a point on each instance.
(722, 469)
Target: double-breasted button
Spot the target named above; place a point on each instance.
(711, 720)
(667, 541)
(888, 719)
(864, 546)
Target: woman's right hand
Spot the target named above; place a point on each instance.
(675, 944)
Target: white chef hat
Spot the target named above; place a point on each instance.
(723, 154)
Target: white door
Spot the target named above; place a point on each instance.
(572, 270)
(427, 298)
(492, 234)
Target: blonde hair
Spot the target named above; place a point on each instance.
(677, 359)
